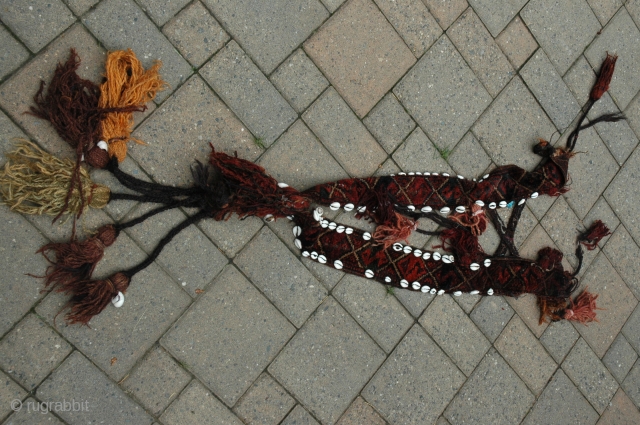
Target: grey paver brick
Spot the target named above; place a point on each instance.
(446, 11)
(561, 403)
(197, 406)
(389, 122)
(360, 53)
(621, 411)
(299, 416)
(620, 358)
(454, 104)
(195, 33)
(299, 80)
(633, 115)
(9, 391)
(512, 125)
(491, 315)
(481, 52)
(231, 235)
(620, 36)
(248, 93)
(228, 336)
(160, 10)
(524, 353)
(31, 350)
(299, 159)
(130, 28)
(17, 257)
(631, 384)
(414, 302)
(560, 223)
(416, 382)
(496, 14)
(377, 311)
(81, 6)
(332, 5)
(580, 78)
(623, 252)
(591, 171)
(455, 333)
(37, 22)
(467, 301)
(157, 381)
(327, 362)
(631, 329)
(493, 394)
(266, 402)
(618, 136)
(182, 128)
(9, 133)
(13, 53)
(417, 153)
(414, 23)
(468, 158)
(270, 31)
(281, 276)
(548, 87)
(559, 338)
(29, 416)
(516, 42)
(79, 380)
(344, 135)
(623, 194)
(604, 9)
(16, 94)
(616, 300)
(590, 376)
(633, 7)
(360, 412)
(547, 20)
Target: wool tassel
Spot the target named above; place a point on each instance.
(399, 230)
(594, 234)
(604, 78)
(36, 182)
(128, 85)
(583, 309)
(476, 221)
(90, 297)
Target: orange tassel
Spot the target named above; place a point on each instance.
(399, 230)
(583, 309)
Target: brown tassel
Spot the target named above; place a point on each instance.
(90, 297)
(552, 309)
(584, 308)
(399, 230)
(75, 261)
(594, 234)
(604, 78)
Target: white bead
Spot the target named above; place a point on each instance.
(417, 252)
(480, 203)
(317, 214)
(433, 291)
(332, 225)
(322, 259)
(487, 262)
(404, 283)
(297, 230)
(503, 204)
(334, 206)
(368, 273)
(305, 253)
(366, 236)
(407, 249)
(340, 229)
(297, 243)
(283, 185)
(460, 177)
(426, 209)
(437, 256)
(445, 174)
(474, 266)
(460, 209)
(387, 279)
(425, 289)
(457, 293)
(521, 201)
(348, 230)
(492, 205)
(486, 176)
(490, 292)
(314, 255)
(348, 207)
(426, 255)
(476, 292)
(534, 195)
(440, 292)
(445, 210)
(324, 224)
(362, 209)
(397, 247)
(118, 300)
(415, 285)
(337, 264)
(103, 145)
(411, 208)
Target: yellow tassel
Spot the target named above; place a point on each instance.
(127, 84)
(36, 182)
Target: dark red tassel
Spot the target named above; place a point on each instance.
(583, 309)
(75, 261)
(604, 78)
(90, 297)
(594, 234)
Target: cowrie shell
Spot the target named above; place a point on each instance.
(433, 291)
(425, 289)
(317, 214)
(437, 256)
(490, 292)
(445, 174)
(397, 247)
(362, 209)
(314, 255)
(460, 177)
(366, 236)
(460, 209)
(305, 253)
(434, 174)
(411, 208)
(407, 249)
(476, 292)
(322, 259)
(297, 243)
(283, 185)
(503, 204)
(412, 173)
(440, 292)
(340, 229)
(332, 225)
(486, 176)
(474, 266)
(348, 230)
(521, 201)
(103, 145)
(418, 173)
(417, 252)
(487, 262)
(402, 173)
(457, 293)
(348, 207)
(426, 209)
(404, 283)
(415, 285)
(290, 217)
(445, 259)
(337, 264)
(445, 210)
(480, 203)
(492, 205)
(387, 279)
(368, 273)
(534, 195)
(269, 218)
(118, 300)
(334, 206)
(297, 230)
(324, 224)
(426, 255)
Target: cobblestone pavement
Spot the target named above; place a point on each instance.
(230, 325)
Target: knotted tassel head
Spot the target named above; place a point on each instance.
(604, 77)
(593, 235)
(92, 296)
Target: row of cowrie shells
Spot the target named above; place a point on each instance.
(448, 259)
(460, 209)
(335, 206)
(476, 266)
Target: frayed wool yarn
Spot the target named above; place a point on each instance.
(230, 185)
